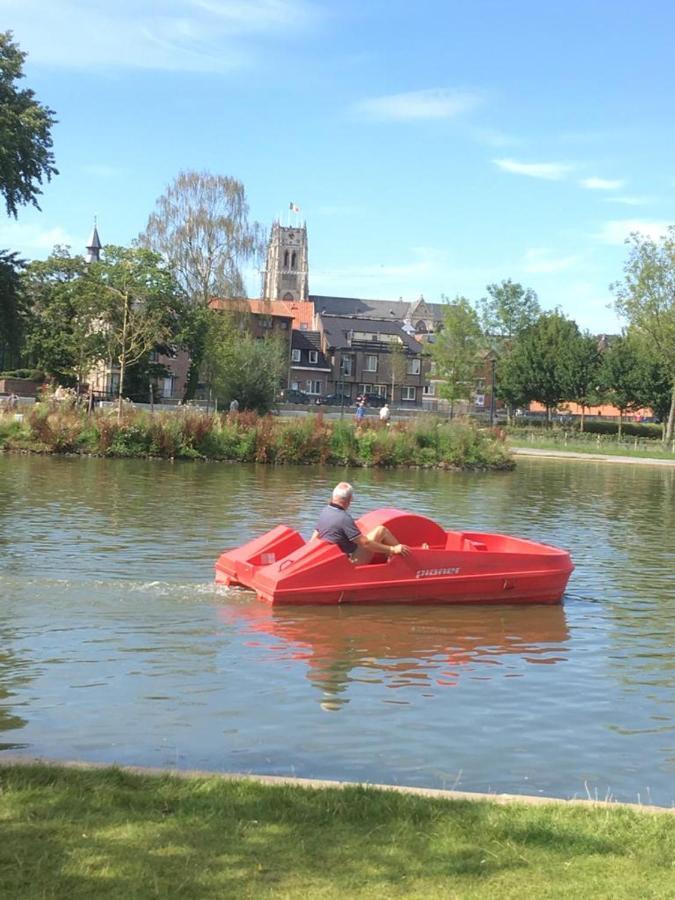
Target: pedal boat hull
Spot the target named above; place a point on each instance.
(443, 567)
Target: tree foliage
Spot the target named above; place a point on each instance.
(239, 366)
(456, 350)
(580, 370)
(140, 305)
(62, 337)
(646, 298)
(541, 362)
(201, 227)
(12, 312)
(508, 310)
(26, 157)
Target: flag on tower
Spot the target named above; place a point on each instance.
(293, 207)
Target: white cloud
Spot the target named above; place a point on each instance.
(33, 241)
(434, 103)
(626, 200)
(548, 171)
(176, 35)
(601, 184)
(541, 261)
(617, 230)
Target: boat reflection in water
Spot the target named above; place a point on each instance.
(427, 648)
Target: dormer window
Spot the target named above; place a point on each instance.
(313, 356)
(295, 355)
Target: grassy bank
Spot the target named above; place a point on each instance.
(573, 441)
(247, 437)
(109, 834)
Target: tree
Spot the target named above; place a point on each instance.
(581, 369)
(398, 365)
(26, 156)
(456, 350)
(623, 375)
(140, 306)
(238, 366)
(12, 312)
(63, 337)
(646, 298)
(201, 227)
(508, 310)
(538, 365)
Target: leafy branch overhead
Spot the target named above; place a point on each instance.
(26, 157)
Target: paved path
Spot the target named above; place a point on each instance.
(596, 457)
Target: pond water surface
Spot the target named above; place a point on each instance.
(116, 646)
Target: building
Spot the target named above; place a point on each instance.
(286, 275)
(373, 356)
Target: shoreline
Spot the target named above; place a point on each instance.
(595, 457)
(318, 784)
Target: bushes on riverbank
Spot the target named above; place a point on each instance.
(113, 834)
(247, 437)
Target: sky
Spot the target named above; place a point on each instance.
(433, 147)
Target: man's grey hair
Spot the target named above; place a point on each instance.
(343, 491)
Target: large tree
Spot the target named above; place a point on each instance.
(238, 366)
(646, 298)
(141, 306)
(538, 365)
(508, 310)
(201, 226)
(581, 370)
(623, 375)
(12, 311)
(63, 337)
(456, 350)
(26, 157)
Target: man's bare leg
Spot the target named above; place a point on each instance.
(382, 535)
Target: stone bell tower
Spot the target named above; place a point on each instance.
(286, 275)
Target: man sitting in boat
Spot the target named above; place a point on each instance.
(336, 526)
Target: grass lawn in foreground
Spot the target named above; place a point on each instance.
(71, 833)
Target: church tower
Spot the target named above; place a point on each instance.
(94, 246)
(286, 275)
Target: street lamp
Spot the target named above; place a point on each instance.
(493, 365)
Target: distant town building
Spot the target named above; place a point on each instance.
(286, 275)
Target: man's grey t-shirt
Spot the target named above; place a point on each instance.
(336, 526)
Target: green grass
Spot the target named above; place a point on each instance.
(73, 834)
(607, 447)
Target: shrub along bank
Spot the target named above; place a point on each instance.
(247, 437)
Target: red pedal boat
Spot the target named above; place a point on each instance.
(443, 567)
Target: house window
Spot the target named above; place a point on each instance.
(414, 367)
(429, 390)
(167, 387)
(295, 385)
(313, 387)
(371, 364)
(347, 365)
(366, 389)
(313, 356)
(295, 355)
(283, 324)
(408, 392)
(381, 389)
(266, 321)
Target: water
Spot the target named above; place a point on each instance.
(116, 646)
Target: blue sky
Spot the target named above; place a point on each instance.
(433, 147)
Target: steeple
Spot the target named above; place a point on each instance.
(286, 274)
(94, 246)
